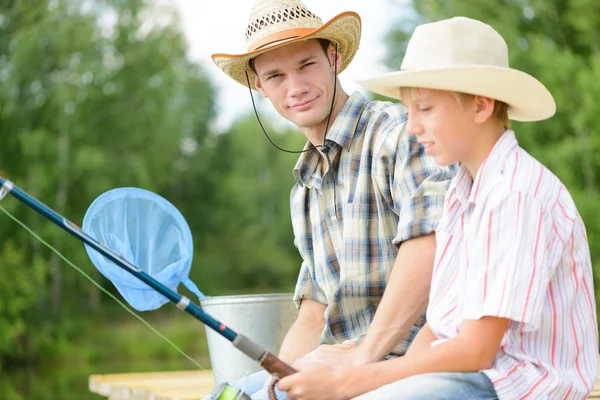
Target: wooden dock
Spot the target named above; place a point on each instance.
(180, 385)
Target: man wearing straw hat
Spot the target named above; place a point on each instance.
(367, 198)
(511, 311)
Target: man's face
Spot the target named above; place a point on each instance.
(298, 79)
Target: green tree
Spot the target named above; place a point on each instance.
(93, 95)
(251, 245)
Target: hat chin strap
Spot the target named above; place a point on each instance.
(323, 147)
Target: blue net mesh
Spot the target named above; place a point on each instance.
(147, 231)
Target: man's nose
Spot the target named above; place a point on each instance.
(297, 85)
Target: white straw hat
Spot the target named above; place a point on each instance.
(276, 23)
(465, 55)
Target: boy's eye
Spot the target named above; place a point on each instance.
(423, 109)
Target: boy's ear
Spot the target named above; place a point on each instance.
(484, 108)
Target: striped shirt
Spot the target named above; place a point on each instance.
(511, 244)
(379, 191)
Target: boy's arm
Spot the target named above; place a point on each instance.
(472, 350)
(422, 341)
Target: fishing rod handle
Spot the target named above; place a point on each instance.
(275, 366)
(267, 360)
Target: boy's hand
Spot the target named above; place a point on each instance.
(313, 381)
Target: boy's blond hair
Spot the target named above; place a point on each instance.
(500, 108)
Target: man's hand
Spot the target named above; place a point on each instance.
(337, 355)
(313, 381)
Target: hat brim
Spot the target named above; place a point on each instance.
(344, 29)
(528, 98)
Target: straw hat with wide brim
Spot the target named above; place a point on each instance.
(276, 23)
(465, 55)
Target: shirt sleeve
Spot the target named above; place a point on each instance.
(508, 272)
(306, 288)
(416, 185)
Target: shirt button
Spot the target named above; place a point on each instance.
(334, 218)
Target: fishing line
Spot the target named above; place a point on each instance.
(112, 296)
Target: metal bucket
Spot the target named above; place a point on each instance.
(263, 318)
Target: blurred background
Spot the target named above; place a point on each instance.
(98, 94)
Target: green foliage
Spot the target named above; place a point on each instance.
(249, 242)
(557, 42)
(93, 95)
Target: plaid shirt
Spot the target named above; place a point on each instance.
(379, 191)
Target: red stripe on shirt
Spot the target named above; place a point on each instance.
(537, 242)
(537, 188)
(443, 253)
(534, 386)
(553, 343)
(512, 180)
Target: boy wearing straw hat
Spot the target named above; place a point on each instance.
(511, 310)
(367, 198)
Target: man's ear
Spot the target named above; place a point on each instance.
(332, 54)
(259, 87)
(484, 108)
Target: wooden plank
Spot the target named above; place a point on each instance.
(180, 385)
(174, 385)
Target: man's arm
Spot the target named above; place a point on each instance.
(404, 300)
(417, 190)
(303, 337)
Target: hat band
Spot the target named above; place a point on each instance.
(280, 36)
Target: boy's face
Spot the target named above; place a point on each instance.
(298, 79)
(441, 124)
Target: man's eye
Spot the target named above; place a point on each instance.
(273, 76)
(308, 64)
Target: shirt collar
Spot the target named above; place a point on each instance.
(466, 189)
(341, 134)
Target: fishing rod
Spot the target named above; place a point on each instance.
(265, 358)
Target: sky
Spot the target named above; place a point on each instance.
(218, 27)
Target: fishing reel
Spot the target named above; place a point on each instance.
(225, 391)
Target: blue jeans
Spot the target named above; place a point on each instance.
(436, 386)
(253, 385)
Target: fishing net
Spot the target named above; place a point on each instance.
(148, 232)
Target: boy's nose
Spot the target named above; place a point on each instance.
(413, 127)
